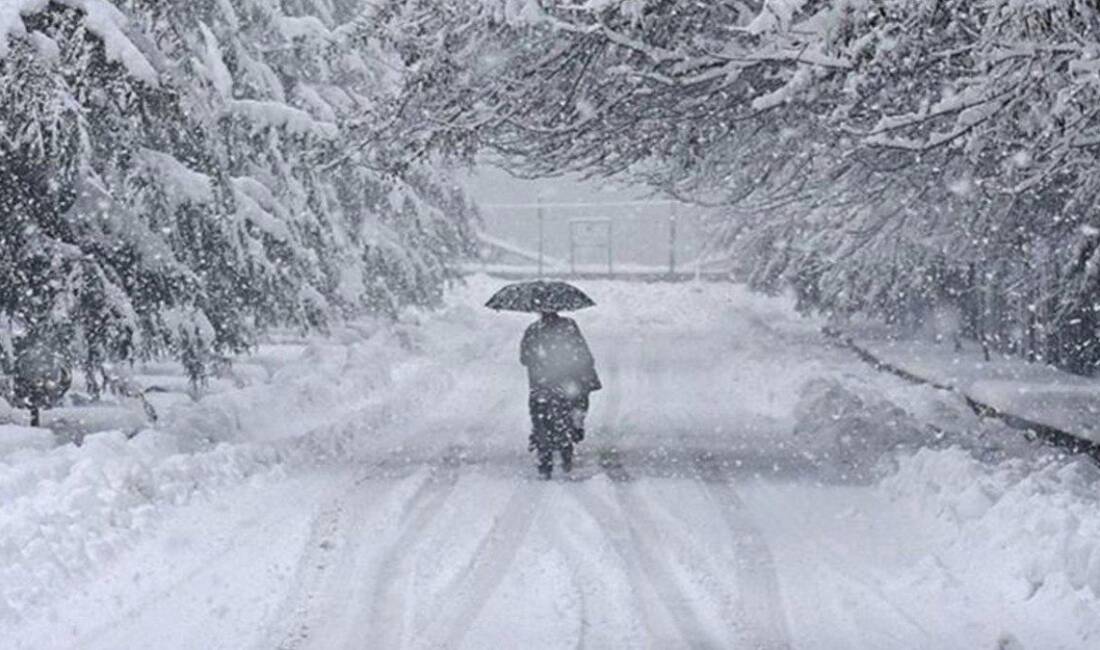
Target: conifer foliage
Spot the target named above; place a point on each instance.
(175, 177)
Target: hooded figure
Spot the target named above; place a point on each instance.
(561, 373)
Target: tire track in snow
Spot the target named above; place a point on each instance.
(669, 619)
(314, 570)
(387, 606)
(575, 559)
(476, 583)
(464, 436)
(761, 603)
(705, 572)
(331, 558)
(253, 535)
(757, 608)
(856, 583)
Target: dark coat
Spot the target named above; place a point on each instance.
(557, 357)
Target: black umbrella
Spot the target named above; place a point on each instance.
(538, 296)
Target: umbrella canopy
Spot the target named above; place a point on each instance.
(538, 296)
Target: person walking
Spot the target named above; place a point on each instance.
(561, 374)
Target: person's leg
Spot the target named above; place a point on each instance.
(546, 461)
(560, 429)
(567, 458)
(578, 411)
(536, 406)
(541, 441)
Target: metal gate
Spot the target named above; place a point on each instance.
(591, 233)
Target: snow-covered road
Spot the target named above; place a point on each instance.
(704, 512)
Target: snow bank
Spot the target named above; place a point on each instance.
(73, 423)
(1039, 519)
(14, 438)
(1034, 391)
(1032, 522)
(859, 425)
(67, 511)
(325, 385)
(77, 417)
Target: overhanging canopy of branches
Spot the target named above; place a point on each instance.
(864, 143)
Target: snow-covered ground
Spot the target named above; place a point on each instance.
(1035, 391)
(744, 484)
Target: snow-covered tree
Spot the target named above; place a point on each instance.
(174, 178)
